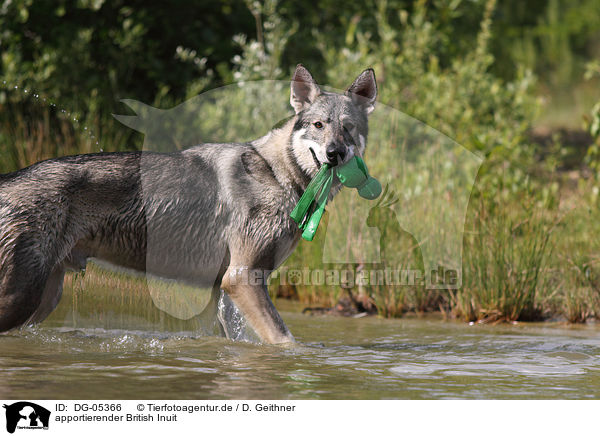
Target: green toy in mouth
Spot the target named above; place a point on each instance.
(353, 174)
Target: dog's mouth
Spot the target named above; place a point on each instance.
(314, 155)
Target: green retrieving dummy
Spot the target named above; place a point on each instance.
(309, 210)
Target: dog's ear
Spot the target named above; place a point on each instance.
(304, 89)
(363, 90)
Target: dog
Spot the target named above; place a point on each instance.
(211, 212)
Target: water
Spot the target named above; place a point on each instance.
(337, 358)
(233, 322)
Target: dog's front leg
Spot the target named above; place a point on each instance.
(247, 290)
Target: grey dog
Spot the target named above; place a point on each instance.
(212, 211)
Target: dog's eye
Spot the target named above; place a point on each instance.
(318, 125)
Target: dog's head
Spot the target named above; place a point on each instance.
(329, 127)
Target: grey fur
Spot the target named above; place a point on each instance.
(207, 213)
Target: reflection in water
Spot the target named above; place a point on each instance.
(337, 358)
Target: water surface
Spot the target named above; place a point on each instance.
(337, 358)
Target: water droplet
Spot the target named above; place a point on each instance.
(85, 128)
(25, 91)
(16, 87)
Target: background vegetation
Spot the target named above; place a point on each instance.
(515, 81)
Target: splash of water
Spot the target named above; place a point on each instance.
(233, 322)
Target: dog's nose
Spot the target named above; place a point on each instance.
(335, 153)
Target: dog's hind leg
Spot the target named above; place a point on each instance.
(29, 284)
(53, 288)
(20, 297)
(51, 295)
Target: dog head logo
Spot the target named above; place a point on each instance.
(430, 175)
(26, 415)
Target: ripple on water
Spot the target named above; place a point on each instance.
(376, 359)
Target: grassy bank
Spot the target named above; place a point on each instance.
(521, 261)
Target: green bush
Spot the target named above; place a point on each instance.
(443, 63)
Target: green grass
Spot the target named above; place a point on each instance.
(505, 255)
(523, 260)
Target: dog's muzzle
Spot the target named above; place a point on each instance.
(336, 153)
